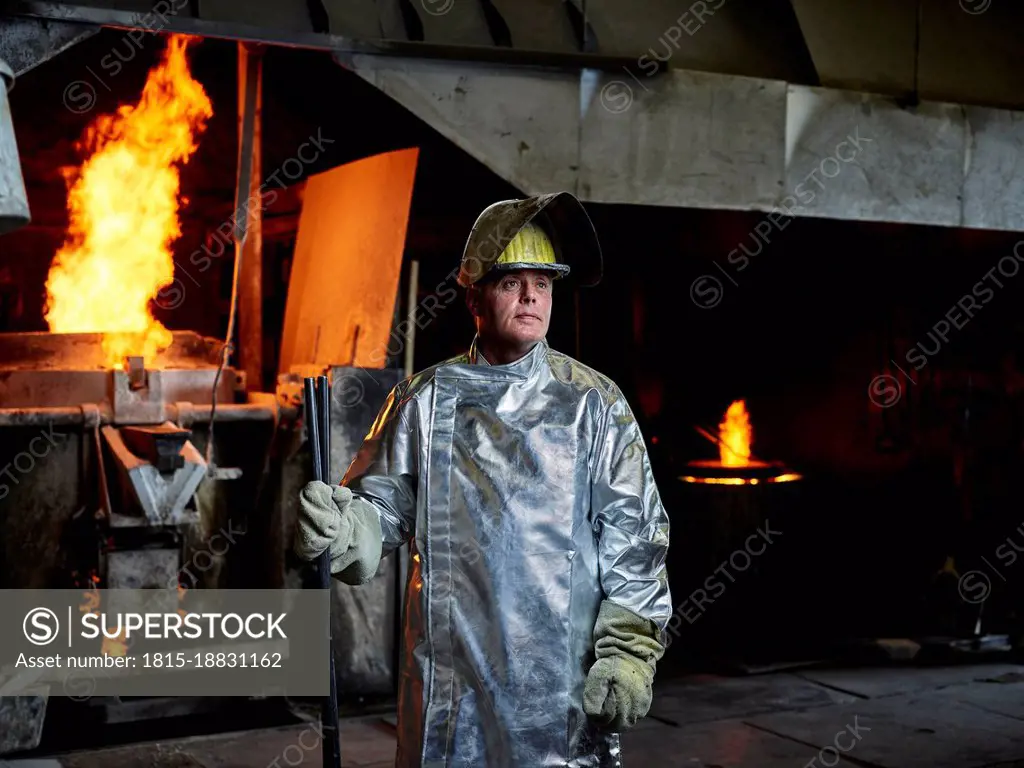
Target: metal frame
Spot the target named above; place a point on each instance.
(337, 44)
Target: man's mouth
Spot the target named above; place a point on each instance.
(531, 317)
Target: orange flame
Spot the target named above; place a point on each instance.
(123, 209)
(736, 435)
(111, 646)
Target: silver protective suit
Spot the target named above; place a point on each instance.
(527, 493)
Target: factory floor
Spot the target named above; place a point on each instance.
(894, 717)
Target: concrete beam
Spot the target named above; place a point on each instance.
(703, 140)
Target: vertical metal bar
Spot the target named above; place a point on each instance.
(401, 560)
(313, 426)
(395, 359)
(324, 406)
(250, 289)
(410, 316)
(331, 744)
(332, 739)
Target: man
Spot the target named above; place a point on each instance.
(538, 597)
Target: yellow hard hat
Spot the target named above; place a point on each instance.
(531, 248)
(551, 231)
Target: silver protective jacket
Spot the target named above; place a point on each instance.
(528, 497)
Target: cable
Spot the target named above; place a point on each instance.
(225, 351)
(242, 202)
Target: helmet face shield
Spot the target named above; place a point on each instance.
(550, 232)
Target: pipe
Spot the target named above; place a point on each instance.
(14, 211)
(45, 417)
(79, 415)
(233, 412)
(250, 280)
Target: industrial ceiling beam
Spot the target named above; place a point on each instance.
(711, 141)
(802, 52)
(337, 44)
(27, 43)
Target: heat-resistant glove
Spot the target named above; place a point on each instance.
(617, 692)
(332, 519)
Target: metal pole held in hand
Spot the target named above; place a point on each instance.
(318, 426)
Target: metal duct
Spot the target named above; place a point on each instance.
(13, 198)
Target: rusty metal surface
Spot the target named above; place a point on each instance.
(250, 229)
(351, 238)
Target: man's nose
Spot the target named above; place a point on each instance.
(529, 292)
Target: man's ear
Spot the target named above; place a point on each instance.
(473, 300)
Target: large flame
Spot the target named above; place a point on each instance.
(123, 207)
(736, 436)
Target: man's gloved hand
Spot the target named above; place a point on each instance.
(617, 692)
(331, 519)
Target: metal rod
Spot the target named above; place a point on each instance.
(313, 426)
(317, 400)
(250, 290)
(324, 413)
(410, 316)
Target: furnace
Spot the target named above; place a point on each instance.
(134, 455)
(735, 465)
(734, 514)
(129, 429)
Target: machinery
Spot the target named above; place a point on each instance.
(142, 478)
(172, 469)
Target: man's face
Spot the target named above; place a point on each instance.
(514, 309)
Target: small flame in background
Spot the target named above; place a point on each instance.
(123, 209)
(91, 600)
(736, 435)
(111, 646)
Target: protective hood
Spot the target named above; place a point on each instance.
(560, 214)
